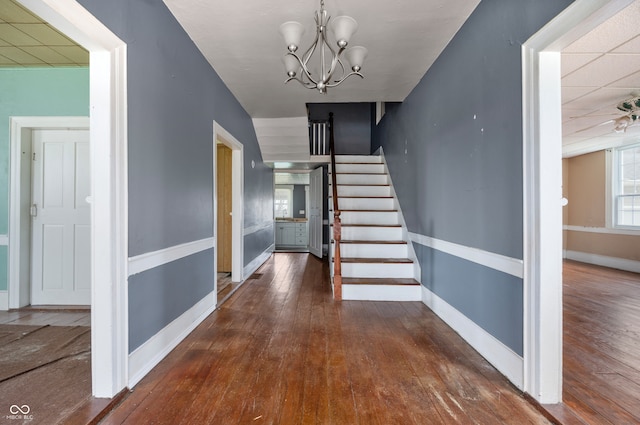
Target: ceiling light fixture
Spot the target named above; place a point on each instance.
(297, 67)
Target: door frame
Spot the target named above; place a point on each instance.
(237, 202)
(542, 180)
(20, 197)
(109, 225)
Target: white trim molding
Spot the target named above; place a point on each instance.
(605, 230)
(4, 240)
(502, 263)
(542, 183)
(258, 227)
(149, 354)
(603, 260)
(495, 352)
(4, 300)
(150, 260)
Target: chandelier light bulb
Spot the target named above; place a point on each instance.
(343, 28)
(292, 32)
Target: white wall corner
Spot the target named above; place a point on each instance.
(504, 359)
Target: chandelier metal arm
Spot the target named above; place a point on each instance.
(298, 69)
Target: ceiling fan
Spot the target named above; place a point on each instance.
(632, 107)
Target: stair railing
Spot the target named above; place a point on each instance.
(337, 224)
(318, 137)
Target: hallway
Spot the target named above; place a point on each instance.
(281, 351)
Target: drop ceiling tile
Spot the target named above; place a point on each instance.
(76, 53)
(4, 61)
(632, 46)
(611, 34)
(12, 12)
(604, 70)
(573, 61)
(599, 100)
(20, 56)
(15, 37)
(570, 94)
(632, 82)
(48, 55)
(45, 34)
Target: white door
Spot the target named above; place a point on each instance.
(61, 230)
(315, 212)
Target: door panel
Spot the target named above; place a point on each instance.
(225, 207)
(315, 212)
(61, 231)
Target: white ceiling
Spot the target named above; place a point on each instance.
(599, 71)
(241, 40)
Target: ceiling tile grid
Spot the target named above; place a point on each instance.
(27, 41)
(600, 70)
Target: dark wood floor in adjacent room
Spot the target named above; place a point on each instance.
(601, 346)
(281, 351)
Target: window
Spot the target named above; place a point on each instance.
(627, 187)
(283, 201)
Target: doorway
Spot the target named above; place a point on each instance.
(224, 183)
(542, 179)
(228, 222)
(44, 218)
(108, 134)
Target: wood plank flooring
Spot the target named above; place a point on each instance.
(281, 351)
(601, 346)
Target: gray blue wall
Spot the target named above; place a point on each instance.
(352, 125)
(454, 149)
(173, 98)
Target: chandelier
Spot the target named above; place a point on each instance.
(331, 59)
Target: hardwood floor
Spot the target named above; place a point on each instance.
(601, 346)
(281, 351)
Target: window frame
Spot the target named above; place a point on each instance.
(616, 180)
(289, 189)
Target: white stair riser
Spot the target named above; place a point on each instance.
(360, 168)
(364, 203)
(369, 217)
(390, 270)
(359, 158)
(382, 292)
(352, 250)
(364, 179)
(372, 191)
(371, 233)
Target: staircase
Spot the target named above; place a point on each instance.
(378, 262)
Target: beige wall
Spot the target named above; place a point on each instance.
(587, 190)
(584, 185)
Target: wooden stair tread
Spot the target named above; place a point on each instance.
(378, 281)
(371, 242)
(377, 260)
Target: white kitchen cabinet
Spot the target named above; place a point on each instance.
(291, 234)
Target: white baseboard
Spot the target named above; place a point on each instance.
(603, 260)
(495, 352)
(149, 354)
(250, 268)
(4, 300)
